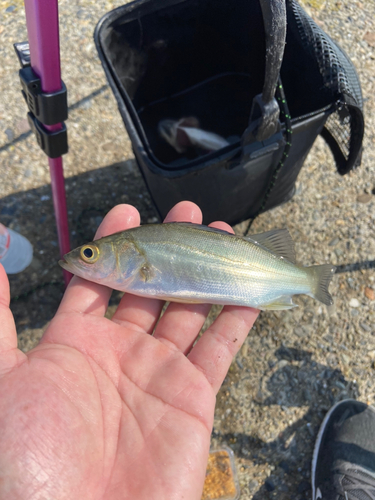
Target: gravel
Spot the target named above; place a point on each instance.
(294, 364)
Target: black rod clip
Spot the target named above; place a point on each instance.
(44, 108)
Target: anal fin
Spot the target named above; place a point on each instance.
(282, 302)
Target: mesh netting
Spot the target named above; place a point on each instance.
(344, 128)
(336, 69)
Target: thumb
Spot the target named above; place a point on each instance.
(10, 356)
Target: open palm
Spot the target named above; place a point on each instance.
(103, 409)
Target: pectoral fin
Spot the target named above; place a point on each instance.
(282, 302)
(146, 272)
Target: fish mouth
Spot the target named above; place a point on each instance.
(65, 265)
(71, 267)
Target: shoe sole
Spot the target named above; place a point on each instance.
(319, 439)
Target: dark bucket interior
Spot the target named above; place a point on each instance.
(202, 58)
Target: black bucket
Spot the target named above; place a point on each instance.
(221, 61)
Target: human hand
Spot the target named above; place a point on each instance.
(102, 409)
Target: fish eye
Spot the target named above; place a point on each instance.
(89, 253)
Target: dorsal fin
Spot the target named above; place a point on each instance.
(277, 241)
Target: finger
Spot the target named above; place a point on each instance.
(143, 312)
(121, 217)
(222, 225)
(10, 356)
(185, 211)
(85, 296)
(215, 350)
(181, 323)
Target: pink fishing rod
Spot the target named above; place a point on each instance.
(45, 95)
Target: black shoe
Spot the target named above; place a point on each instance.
(343, 466)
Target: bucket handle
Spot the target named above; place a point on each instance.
(264, 115)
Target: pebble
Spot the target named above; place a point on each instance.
(365, 327)
(80, 13)
(299, 331)
(9, 132)
(269, 485)
(369, 37)
(364, 198)
(239, 364)
(369, 292)
(23, 126)
(245, 350)
(345, 359)
(282, 363)
(340, 385)
(310, 429)
(253, 485)
(354, 303)
(333, 242)
(351, 283)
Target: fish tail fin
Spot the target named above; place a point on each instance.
(321, 277)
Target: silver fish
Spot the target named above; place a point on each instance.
(184, 262)
(186, 133)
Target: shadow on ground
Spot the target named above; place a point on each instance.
(299, 382)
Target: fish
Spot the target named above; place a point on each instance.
(192, 263)
(185, 133)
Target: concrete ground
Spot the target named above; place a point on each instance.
(295, 364)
